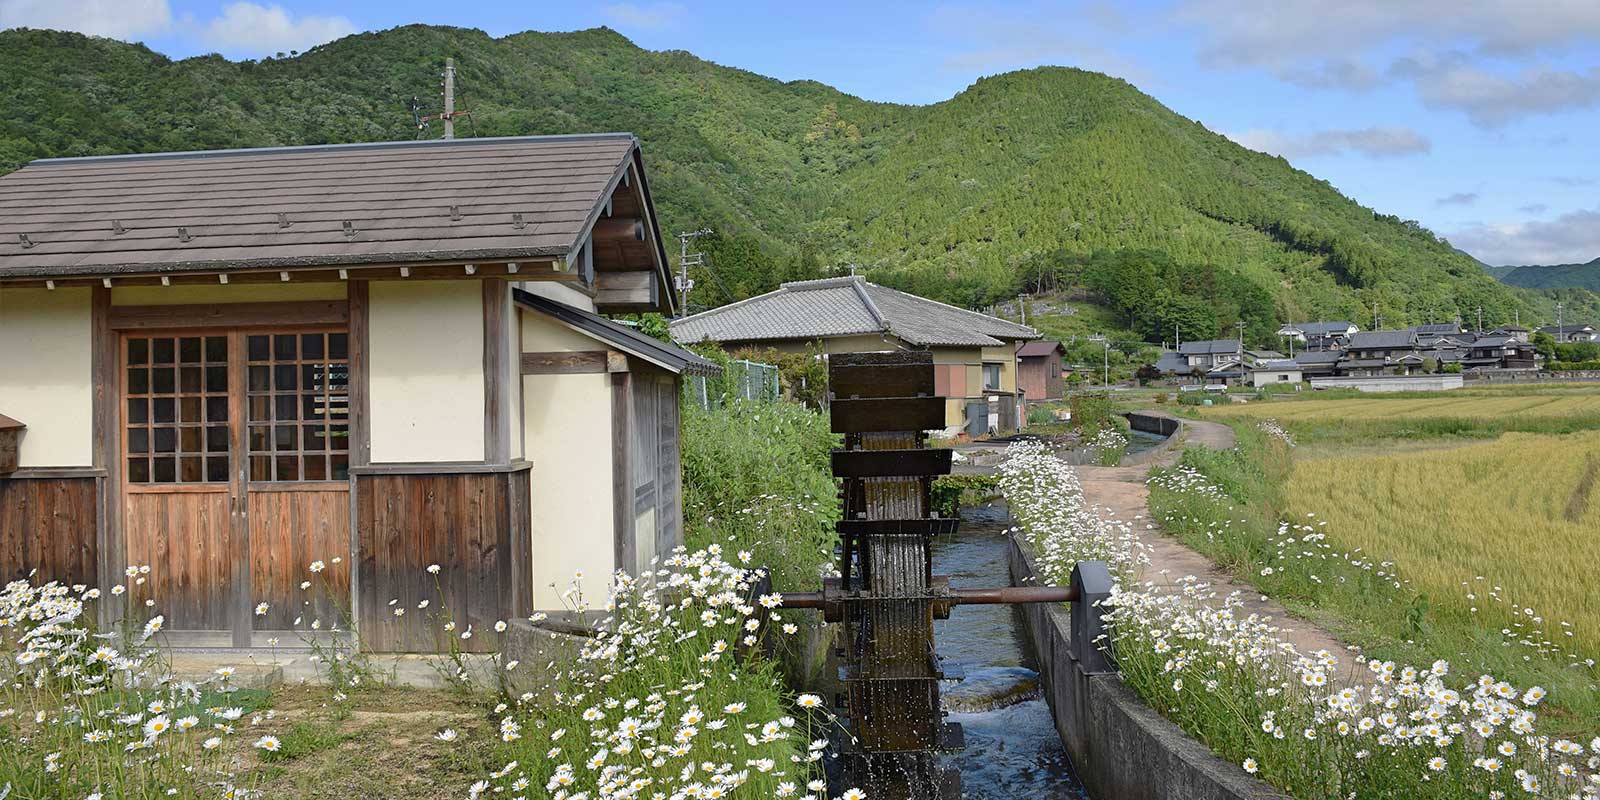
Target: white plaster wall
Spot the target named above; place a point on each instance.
(569, 445)
(559, 292)
(426, 370)
(46, 374)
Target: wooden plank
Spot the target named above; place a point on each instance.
(106, 370)
(893, 380)
(564, 363)
(884, 359)
(360, 396)
(887, 414)
(519, 564)
(48, 524)
(890, 463)
(438, 468)
(622, 470)
(496, 371)
(230, 315)
(925, 527)
(238, 553)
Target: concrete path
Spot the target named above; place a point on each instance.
(1120, 493)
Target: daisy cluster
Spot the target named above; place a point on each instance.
(93, 714)
(1310, 724)
(1271, 428)
(669, 700)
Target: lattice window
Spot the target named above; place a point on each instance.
(298, 394)
(176, 417)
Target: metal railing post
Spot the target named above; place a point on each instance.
(1091, 580)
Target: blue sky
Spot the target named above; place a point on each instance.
(1477, 117)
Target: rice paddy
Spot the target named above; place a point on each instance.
(1488, 405)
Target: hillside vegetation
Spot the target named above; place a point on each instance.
(1555, 276)
(1022, 181)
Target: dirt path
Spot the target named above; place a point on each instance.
(1120, 493)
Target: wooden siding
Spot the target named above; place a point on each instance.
(464, 522)
(48, 524)
(289, 529)
(186, 539)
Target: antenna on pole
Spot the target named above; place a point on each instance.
(450, 113)
(686, 260)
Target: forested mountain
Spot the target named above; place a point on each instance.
(1555, 276)
(1041, 178)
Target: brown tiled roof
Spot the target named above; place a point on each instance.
(333, 205)
(845, 306)
(1035, 349)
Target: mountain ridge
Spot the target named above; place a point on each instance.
(1023, 175)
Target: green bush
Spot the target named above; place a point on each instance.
(757, 477)
(1091, 412)
(948, 491)
(1567, 366)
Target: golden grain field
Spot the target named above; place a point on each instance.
(1522, 511)
(1486, 405)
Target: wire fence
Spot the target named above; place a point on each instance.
(741, 380)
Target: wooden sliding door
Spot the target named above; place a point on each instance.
(235, 470)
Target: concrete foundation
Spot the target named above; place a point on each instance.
(1121, 748)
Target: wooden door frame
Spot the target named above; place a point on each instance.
(238, 487)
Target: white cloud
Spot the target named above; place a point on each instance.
(1457, 199)
(1571, 238)
(986, 40)
(1479, 57)
(1370, 142)
(251, 29)
(117, 19)
(650, 16)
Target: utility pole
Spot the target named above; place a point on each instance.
(1374, 315)
(1559, 331)
(686, 260)
(1107, 356)
(1022, 302)
(449, 98)
(1480, 319)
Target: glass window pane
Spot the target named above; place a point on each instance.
(138, 381)
(284, 407)
(338, 345)
(189, 349)
(139, 352)
(189, 380)
(138, 470)
(311, 345)
(166, 439)
(162, 380)
(164, 408)
(283, 437)
(217, 469)
(316, 469)
(260, 379)
(283, 377)
(312, 406)
(339, 464)
(189, 409)
(138, 440)
(259, 347)
(161, 351)
(288, 468)
(164, 470)
(217, 409)
(191, 469)
(189, 440)
(261, 468)
(260, 408)
(260, 439)
(283, 347)
(138, 409)
(312, 438)
(217, 379)
(217, 438)
(311, 376)
(217, 349)
(339, 437)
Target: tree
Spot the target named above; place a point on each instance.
(1545, 345)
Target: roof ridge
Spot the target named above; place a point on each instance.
(968, 311)
(719, 309)
(872, 308)
(314, 148)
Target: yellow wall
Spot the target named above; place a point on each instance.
(568, 441)
(227, 293)
(426, 370)
(1007, 357)
(46, 374)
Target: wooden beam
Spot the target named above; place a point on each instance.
(541, 269)
(887, 414)
(564, 363)
(925, 527)
(359, 316)
(618, 228)
(622, 517)
(625, 291)
(106, 370)
(230, 315)
(890, 463)
(899, 380)
(496, 371)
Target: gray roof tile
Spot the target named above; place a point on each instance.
(397, 196)
(843, 307)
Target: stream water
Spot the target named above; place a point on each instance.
(1012, 748)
